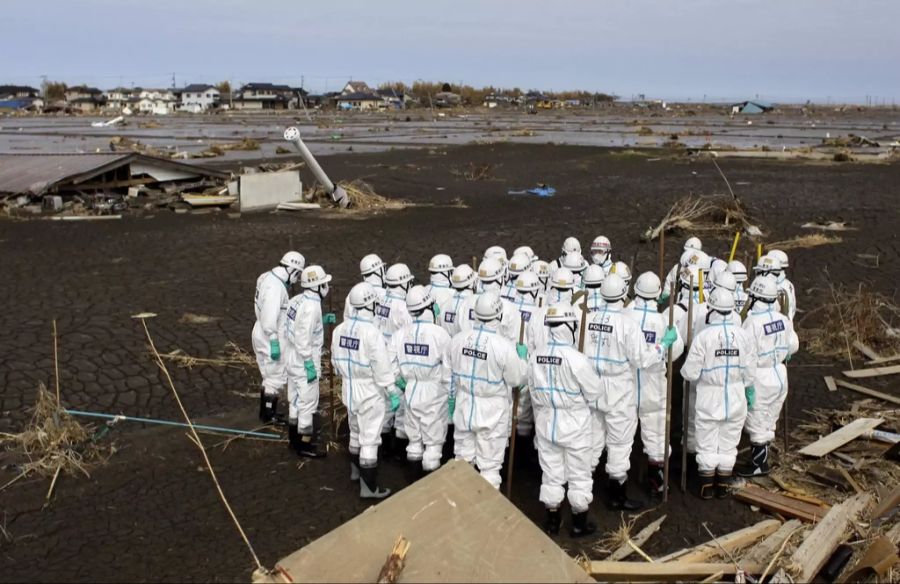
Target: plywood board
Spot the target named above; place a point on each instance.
(836, 439)
(869, 392)
(460, 529)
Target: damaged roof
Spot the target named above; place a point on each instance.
(39, 173)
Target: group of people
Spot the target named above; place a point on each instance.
(569, 352)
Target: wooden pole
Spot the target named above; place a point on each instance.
(515, 423)
(686, 389)
(737, 238)
(669, 374)
(334, 431)
(662, 256)
(56, 362)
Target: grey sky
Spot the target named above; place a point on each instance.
(779, 49)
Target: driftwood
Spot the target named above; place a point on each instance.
(390, 572)
(730, 542)
(640, 539)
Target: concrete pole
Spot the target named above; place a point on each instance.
(338, 194)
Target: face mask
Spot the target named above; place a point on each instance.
(293, 276)
(598, 258)
(323, 290)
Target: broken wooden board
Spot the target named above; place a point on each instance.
(640, 539)
(778, 503)
(731, 542)
(767, 548)
(884, 360)
(873, 372)
(869, 392)
(886, 505)
(208, 200)
(460, 529)
(875, 562)
(826, 536)
(838, 438)
(830, 384)
(831, 476)
(604, 571)
(866, 350)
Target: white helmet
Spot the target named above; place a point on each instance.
(726, 280)
(525, 249)
(528, 282)
(363, 295)
(613, 287)
(418, 299)
(488, 306)
(294, 262)
(371, 264)
(313, 277)
(780, 256)
(706, 262)
(440, 264)
(739, 270)
(721, 300)
(648, 286)
(693, 243)
(495, 251)
(601, 244)
(593, 275)
(766, 289)
(767, 265)
(717, 268)
(574, 262)
(398, 275)
(541, 268)
(490, 270)
(571, 245)
(519, 263)
(562, 279)
(463, 277)
(560, 313)
(623, 271)
(689, 273)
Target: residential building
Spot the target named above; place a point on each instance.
(18, 92)
(393, 98)
(156, 101)
(356, 87)
(84, 99)
(121, 98)
(446, 99)
(20, 97)
(361, 101)
(199, 97)
(264, 96)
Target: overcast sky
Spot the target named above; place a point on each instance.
(844, 50)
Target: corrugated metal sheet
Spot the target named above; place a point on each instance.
(23, 173)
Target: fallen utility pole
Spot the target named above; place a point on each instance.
(338, 195)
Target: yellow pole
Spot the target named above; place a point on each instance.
(737, 238)
(700, 289)
(758, 251)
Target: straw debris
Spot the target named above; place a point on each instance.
(711, 215)
(363, 197)
(854, 315)
(805, 241)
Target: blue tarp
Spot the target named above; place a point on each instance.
(538, 191)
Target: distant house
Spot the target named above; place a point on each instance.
(393, 98)
(84, 99)
(121, 97)
(18, 92)
(361, 101)
(264, 96)
(356, 87)
(158, 102)
(198, 98)
(446, 99)
(751, 107)
(493, 101)
(324, 100)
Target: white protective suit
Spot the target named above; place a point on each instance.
(527, 307)
(721, 362)
(508, 290)
(451, 310)
(565, 388)
(421, 348)
(556, 296)
(508, 326)
(485, 368)
(787, 287)
(775, 339)
(391, 316)
(740, 298)
(651, 382)
(270, 306)
(360, 357)
(375, 281)
(440, 289)
(304, 336)
(616, 346)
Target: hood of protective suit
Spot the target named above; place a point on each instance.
(562, 334)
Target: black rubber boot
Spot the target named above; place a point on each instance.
(293, 437)
(581, 527)
(618, 497)
(759, 462)
(387, 445)
(399, 448)
(412, 471)
(707, 485)
(553, 521)
(354, 467)
(723, 485)
(268, 405)
(307, 448)
(368, 484)
(656, 478)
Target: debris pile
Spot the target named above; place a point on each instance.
(804, 242)
(362, 197)
(705, 215)
(474, 172)
(850, 316)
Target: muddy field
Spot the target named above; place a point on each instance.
(152, 512)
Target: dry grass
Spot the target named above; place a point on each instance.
(805, 242)
(53, 442)
(363, 197)
(234, 356)
(474, 172)
(704, 215)
(619, 537)
(850, 315)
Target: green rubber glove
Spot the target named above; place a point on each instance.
(669, 338)
(522, 350)
(663, 299)
(329, 318)
(395, 401)
(436, 310)
(274, 349)
(451, 403)
(750, 393)
(789, 357)
(310, 371)
(400, 383)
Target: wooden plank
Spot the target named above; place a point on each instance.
(850, 480)
(866, 350)
(869, 392)
(826, 536)
(884, 360)
(778, 503)
(731, 542)
(836, 439)
(829, 476)
(830, 384)
(767, 548)
(886, 504)
(873, 372)
(605, 571)
(640, 539)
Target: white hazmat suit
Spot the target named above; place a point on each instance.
(304, 336)
(270, 306)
